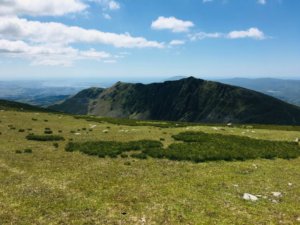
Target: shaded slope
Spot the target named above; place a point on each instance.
(80, 103)
(189, 99)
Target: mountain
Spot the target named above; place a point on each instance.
(190, 99)
(286, 90)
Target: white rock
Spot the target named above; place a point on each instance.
(277, 194)
(274, 201)
(77, 134)
(250, 197)
(297, 140)
(105, 131)
(290, 184)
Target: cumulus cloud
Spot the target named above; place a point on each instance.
(171, 23)
(177, 42)
(49, 43)
(41, 7)
(49, 54)
(108, 4)
(253, 33)
(50, 32)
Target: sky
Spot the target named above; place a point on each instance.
(84, 39)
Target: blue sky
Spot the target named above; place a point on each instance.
(140, 38)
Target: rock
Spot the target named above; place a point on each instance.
(297, 140)
(290, 184)
(277, 194)
(105, 131)
(250, 197)
(274, 201)
(77, 134)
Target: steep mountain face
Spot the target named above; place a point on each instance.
(189, 99)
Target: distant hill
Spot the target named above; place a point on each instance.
(286, 90)
(190, 99)
(16, 106)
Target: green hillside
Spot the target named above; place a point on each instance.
(190, 100)
(58, 169)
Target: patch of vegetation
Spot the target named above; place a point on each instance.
(21, 130)
(34, 137)
(200, 147)
(111, 148)
(28, 150)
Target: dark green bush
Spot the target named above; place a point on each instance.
(21, 130)
(111, 148)
(19, 152)
(55, 145)
(48, 132)
(28, 151)
(34, 137)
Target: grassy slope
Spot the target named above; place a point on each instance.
(54, 186)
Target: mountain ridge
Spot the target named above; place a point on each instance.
(188, 99)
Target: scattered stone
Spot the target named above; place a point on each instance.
(229, 124)
(297, 140)
(274, 201)
(215, 128)
(290, 184)
(254, 165)
(77, 134)
(250, 197)
(236, 185)
(105, 131)
(277, 194)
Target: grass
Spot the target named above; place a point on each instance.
(59, 187)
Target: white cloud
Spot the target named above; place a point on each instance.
(177, 42)
(53, 55)
(51, 43)
(40, 7)
(171, 23)
(108, 4)
(204, 35)
(253, 33)
(262, 2)
(206, 1)
(40, 32)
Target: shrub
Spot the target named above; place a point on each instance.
(123, 155)
(46, 120)
(111, 148)
(19, 152)
(162, 139)
(34, 137)
(60, 131)
(34, 119)
(28, 151)
(55, 145)
(48, 132)
(21, 130)
(139, 156)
